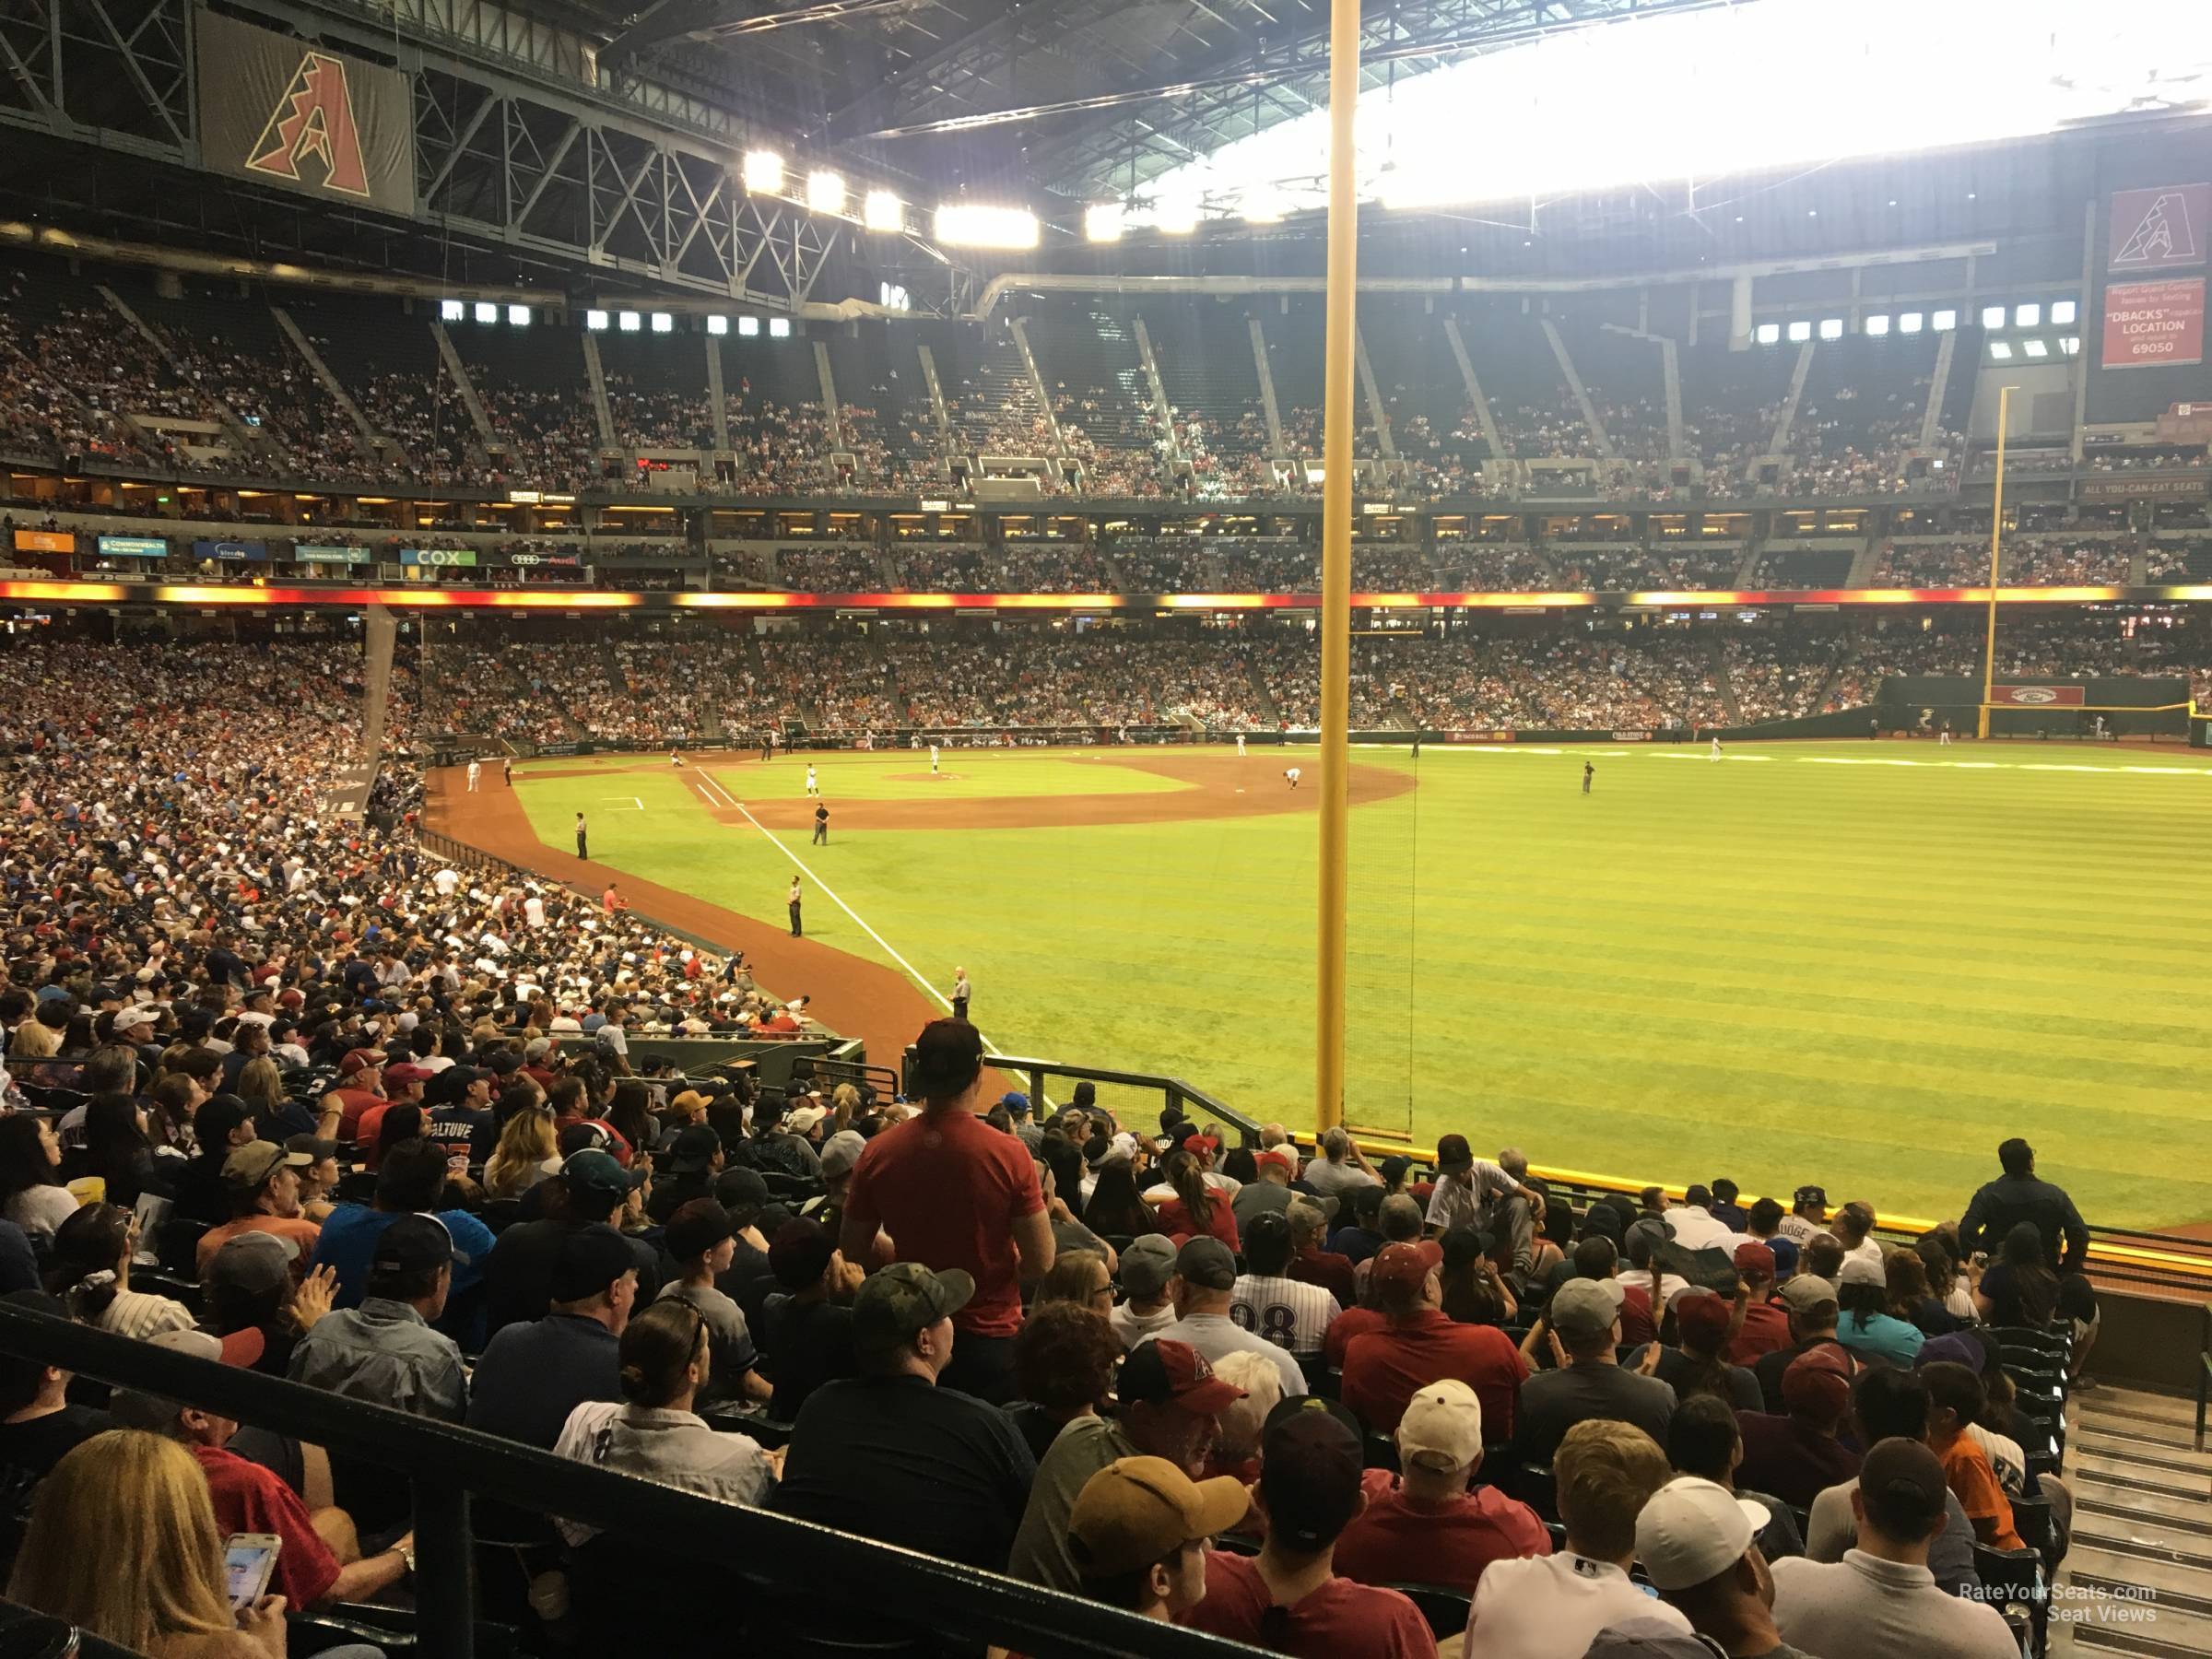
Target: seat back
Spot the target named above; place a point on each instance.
(1446, 1609)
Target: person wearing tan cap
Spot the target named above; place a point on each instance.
(1423, 1525)
(262, 1182)
(1138, 1531)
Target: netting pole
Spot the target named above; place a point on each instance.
(1997, 529)
(1336, 568)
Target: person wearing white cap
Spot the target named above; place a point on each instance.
(1423, 1525)
(1695, 1539)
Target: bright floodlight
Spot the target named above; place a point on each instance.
(1103, 221)
(779, 328)
(663, 323)
(1831, 328)
(1176, 216)
(2071, 344)
(486, 311)
(1943, 322)
(1800, 333)
(2037, 349)
(826, 191)
(1878, 325)
(518, 316)
(595, 321)
(629, 322)
(2001, 350)
(717, 323)
(2027, 316)
(764, 172)
(883, 211)
(968, 224)
(1909, 322)
(1993, 316)
(451, 311)
(747, 327)
(1768, 333)
(2062, 312)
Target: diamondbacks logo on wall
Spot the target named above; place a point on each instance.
(312, 123)
(299, 115)
(2160, 228)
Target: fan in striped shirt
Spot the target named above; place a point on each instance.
(1289, 1312)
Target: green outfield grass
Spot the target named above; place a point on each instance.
(1796, 964)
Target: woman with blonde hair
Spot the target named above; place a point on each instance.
(261, 1085)
(155, 1584)
(34, 1040)
(527, 1153)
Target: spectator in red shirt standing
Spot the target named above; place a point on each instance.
(953, 1193)
(1424, 1526)
(1766, 1327)
(1383, 1370)
(1290, 1597)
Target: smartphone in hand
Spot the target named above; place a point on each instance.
(248, 1560)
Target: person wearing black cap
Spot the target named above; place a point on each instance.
(384, 1350)
(686, 1172)
(534, 1373)
(459, 1118)
(1289, 1598)
(701, 1240)
(221, 1125)
(518, 1278)
(750, 1277)
(891, 1455)
(807, 1325)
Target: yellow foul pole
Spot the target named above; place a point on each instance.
(1997, 530)
(1336, 565)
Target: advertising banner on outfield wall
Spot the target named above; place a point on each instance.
(280, 112)
(45, 541)
(457, 558)
(2040, 697)
(2154, 324)
(132, 546)
(2160, 229)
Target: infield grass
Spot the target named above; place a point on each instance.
(1860, 964)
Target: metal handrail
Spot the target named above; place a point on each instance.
(2203, 1374)
(444, 1464)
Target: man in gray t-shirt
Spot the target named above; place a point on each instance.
(1340, 1167)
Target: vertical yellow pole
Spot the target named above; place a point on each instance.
(1997, 529)
(1336, 567)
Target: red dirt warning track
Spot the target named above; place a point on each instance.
(851, 994)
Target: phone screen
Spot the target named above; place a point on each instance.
(246, 1568)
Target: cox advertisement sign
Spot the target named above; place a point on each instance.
(456, 558)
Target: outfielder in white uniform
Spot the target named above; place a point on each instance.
(1291, 773)
(1239, 746)
(933, 760)
(813, 788)
(1716, 748)
(475, 770)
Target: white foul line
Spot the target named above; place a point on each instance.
(989, 1047)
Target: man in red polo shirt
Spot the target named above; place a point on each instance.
(1383, 1370)
(953, 1191)
(359, 1075)
(1424, 1526)
(1357, 1322)
(1766, 1327)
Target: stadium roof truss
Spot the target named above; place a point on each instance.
(1120, 92)
(520, 141)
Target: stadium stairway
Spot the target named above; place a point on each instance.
(1722, 683)
(1263, 699)
(2137, 1579)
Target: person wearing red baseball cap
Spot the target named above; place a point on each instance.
(360, 1076)
(1766, 1324)
(1169, 1403)
(1385, 1369)
(1797, 1456)
(1693, 1364)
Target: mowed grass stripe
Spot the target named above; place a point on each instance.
(1865, 975)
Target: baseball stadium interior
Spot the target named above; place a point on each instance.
(917, 493)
